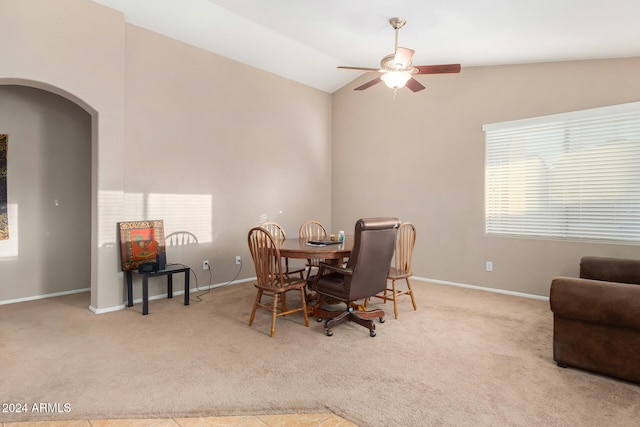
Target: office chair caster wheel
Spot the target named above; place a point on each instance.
(372, 333)
(318, 319)
(382, 320)
(329, 332)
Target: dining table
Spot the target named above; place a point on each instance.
(301, 248)
(330, 252)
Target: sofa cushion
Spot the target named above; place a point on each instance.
(610, 269)
(595, 301)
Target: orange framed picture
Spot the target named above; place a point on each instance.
(140, 241)
(4, 220)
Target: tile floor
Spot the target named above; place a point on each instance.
(297, 420)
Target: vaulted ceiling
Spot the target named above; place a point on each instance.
(305, 40)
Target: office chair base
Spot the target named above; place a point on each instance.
(363, 318)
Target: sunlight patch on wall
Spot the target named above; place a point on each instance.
(109, 214)
(135, 207)
(180, 212)
(183, 212)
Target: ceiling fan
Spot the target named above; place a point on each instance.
(396, 68)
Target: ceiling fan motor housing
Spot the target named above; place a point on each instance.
(397, 23)
(388, 63)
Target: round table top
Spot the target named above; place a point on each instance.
(298, 248)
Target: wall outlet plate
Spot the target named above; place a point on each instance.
(205, 265)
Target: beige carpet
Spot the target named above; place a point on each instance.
(465, 358)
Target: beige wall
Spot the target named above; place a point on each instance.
(421, 157)
(215, 147)
(209, 145)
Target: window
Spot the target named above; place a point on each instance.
(571, 176)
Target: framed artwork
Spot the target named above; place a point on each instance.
(140, 241)
(4, 220)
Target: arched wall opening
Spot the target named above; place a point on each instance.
(50, 191)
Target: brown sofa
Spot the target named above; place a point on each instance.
(596, 318)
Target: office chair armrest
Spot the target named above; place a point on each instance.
(329, 268)
(336, 269)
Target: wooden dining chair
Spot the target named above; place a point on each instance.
(270, 280)
(312, 230)
(401, 267)
(181, 238)
(277, 231)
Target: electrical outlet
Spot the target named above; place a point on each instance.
(488, 266)
(238, 260)
(205, 265)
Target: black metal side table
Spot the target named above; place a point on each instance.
(169, 271)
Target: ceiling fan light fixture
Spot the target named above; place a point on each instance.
(397, 70)
(396, 79)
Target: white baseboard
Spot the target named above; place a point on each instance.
(252, 279)
(175, 293)
(481, 288)
(192, 290)
(124, 304)
(37, 297)
(108, 309)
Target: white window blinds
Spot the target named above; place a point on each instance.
(572, 175)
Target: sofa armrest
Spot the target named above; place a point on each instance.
(606, 303)
(610, 269)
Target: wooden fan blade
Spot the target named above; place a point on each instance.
(438, 69)
(403, 57)
(369, 84)
(414, 85)
(358, 68)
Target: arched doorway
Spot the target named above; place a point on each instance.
(50, 192)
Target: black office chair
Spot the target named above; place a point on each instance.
(364, 276)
